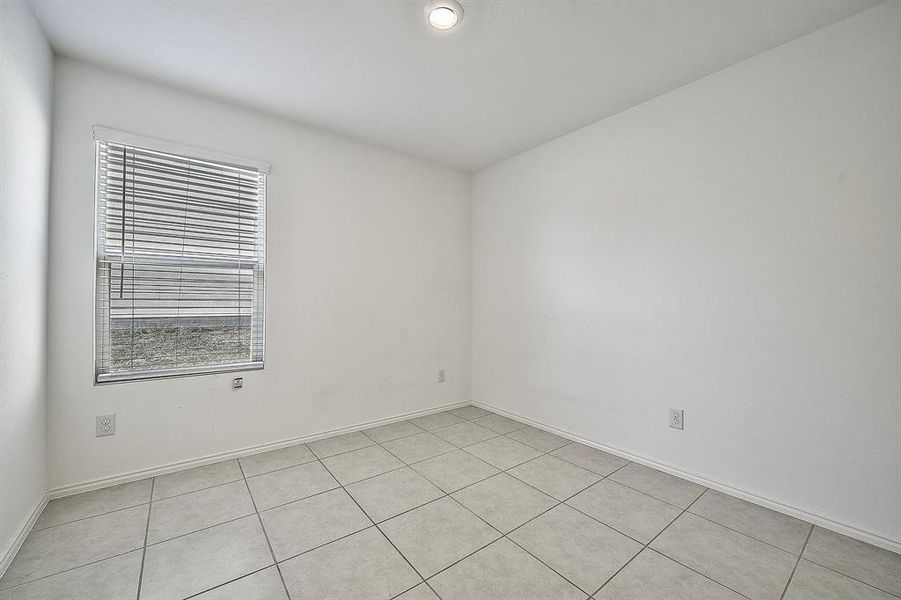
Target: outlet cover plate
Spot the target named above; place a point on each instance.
(106, 425)
(676, 418)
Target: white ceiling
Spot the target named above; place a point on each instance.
(513, 74)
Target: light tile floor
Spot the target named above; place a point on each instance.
(461, 505)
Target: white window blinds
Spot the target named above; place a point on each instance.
(180, 264)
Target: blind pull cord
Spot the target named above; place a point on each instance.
(122, 261)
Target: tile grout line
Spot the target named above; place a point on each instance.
(93, 562)
(626, 564)
(684, 510)
(205, 528)
(445, 494)
(323, 544)
(201, 489)
(80, 519)
(405, 465)
(374, 524)
(647, 546)
(828, 568)
(273, 507)
(146, 533)
(563, 503)
(238, 460)
(764, 542)
(797, 562)
(448, 495)
(502, 534)
(277, 470)
(464, 448)
(505, 535)
(225, 583)
(224, 483)
(256, 510)
(687, 509)
(558, 502)
(339, 486)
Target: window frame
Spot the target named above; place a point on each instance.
(109, 135)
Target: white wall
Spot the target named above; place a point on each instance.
(730, 248)
(369, 286)
(25, 91)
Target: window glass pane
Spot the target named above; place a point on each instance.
(180, 263)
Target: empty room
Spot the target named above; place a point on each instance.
(450, 299)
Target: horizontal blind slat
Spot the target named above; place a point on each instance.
(180, 264)
(156, 170)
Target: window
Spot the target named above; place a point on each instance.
(180, 255)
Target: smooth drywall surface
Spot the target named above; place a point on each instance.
(26, 76)
(730, 248)
(368, 285)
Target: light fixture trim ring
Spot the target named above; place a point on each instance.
(440, 7)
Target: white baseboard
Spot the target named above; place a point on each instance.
(11, 552)
(103, 482)
(792, 511)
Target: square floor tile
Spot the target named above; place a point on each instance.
(337, 444)
(503, 453)
(286, 485)
(454, 470)
(637, 515)
(63, 547)
(264, 462)
(436, 420)
(662, 486)
(554, 477)
(502, 570)
(505, 502)
(498, 424)
(91, 504)
(875, 566)
(437, 535)
(576, 546)
(392, 493)
(191, 512)
(363, 566)
(420, 592)
(594, 460)
(652, 576)
(538, 438)
(418, 447)
(305, 524)
(743, 564)
(360, 464)
(115, 577)
(392, 431)
(198, 478)
(262, 585)
(470, 412)
(464, 434)
(756, 521)
(199, 561)
(813, 582)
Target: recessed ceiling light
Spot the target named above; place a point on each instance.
(444, 14)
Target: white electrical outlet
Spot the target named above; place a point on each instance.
(238, 383)
(441, 376)
(105, 425)
(676, 418)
